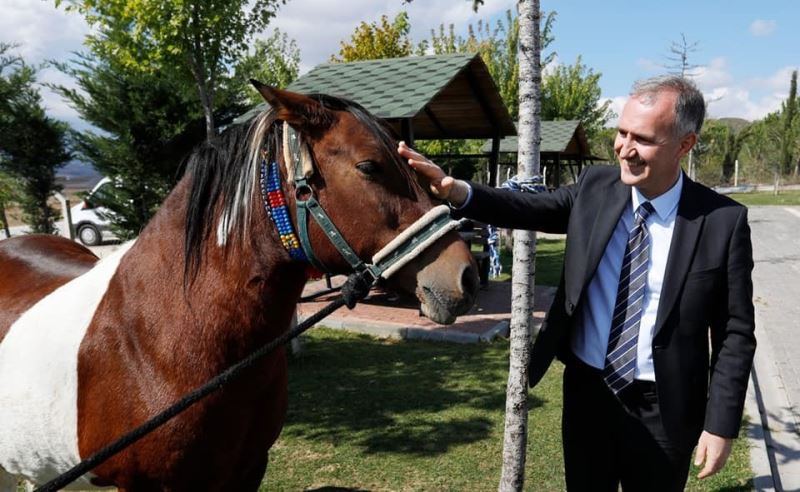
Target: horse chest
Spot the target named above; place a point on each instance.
(39, 377)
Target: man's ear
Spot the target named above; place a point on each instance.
(301, 112)
(687, 142)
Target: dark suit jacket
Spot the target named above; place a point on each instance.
(707, 290)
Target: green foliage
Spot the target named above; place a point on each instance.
(149, 63)
(784, 198)
(9, 188)
(790, 120)
(32, 145)
(202, 37)
(497, 46)
(602, 144)
(377, 40)
(572, 92)
(148, 120)
(718, 149)
(9, 193)
(275, 61)
(761, 153)
(771, 149)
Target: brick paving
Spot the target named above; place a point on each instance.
(383, 315)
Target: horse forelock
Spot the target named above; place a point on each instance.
(224, 174)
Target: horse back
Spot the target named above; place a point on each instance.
(33, 266)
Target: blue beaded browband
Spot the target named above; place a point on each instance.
(275, 204)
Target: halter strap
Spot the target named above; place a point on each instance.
(398, 252)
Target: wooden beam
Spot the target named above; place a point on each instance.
(485, 106)
(436, 122)
(407, 131)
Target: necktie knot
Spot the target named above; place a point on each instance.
(643, 212)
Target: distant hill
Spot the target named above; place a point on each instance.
(77, 175)
(734, 123)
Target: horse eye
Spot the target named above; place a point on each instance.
(369, 168)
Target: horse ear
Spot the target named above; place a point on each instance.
(301, 112)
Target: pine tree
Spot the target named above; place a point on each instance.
(32, 145)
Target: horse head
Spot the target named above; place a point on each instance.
(371, 195)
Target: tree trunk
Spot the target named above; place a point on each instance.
(524, 266)
(4, 219)
(205, 88)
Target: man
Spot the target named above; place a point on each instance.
(657, 270)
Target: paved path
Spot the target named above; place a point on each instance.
(776, 283)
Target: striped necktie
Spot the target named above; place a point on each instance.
(620, 363)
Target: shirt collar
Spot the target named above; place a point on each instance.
(664, 204)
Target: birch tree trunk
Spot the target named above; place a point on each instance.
(524, 266)
(4, 219)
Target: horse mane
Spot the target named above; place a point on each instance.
(225, 170)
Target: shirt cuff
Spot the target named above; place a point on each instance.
(466, 201)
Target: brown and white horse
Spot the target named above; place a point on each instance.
(91, 349)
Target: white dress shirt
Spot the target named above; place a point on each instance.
(590, 339)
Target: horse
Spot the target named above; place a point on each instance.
(90, 349)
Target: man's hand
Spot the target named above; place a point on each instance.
(714, 451)
(442, 186)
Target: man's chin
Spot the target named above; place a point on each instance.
(632, 176)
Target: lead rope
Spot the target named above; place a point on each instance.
(190, 399)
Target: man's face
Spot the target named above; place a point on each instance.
(647, 148)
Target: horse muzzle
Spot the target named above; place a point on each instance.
(443, 298)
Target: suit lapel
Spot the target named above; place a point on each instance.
(688, 223)
(608, 214)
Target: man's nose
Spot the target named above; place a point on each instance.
(627, 149)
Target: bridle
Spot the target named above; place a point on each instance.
(398, 252)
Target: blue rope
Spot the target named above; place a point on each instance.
(533, 184)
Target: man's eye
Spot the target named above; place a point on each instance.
(368, 167)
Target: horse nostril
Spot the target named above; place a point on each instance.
(469, 280)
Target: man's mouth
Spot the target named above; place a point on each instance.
(635, 164)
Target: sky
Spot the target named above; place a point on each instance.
(746, 49)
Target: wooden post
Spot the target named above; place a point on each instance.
(407, 131)
(70, 229)
(493, 160)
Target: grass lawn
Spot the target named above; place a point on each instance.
(549, 258)
(369, 414)
(790, 197)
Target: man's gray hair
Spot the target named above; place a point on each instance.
(690, 107)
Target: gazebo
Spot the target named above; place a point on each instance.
(420, 97)
(564, 143)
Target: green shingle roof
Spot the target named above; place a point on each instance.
(563, 137)
(393, 88)
(443, 96)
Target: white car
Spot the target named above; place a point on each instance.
(89, 221)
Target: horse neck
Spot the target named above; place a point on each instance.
(244, 294)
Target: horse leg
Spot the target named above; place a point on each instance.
(251, 478)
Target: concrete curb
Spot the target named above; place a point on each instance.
(756, 439)
(773, 430)
(401, 332)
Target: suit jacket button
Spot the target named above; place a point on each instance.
(570, 306)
